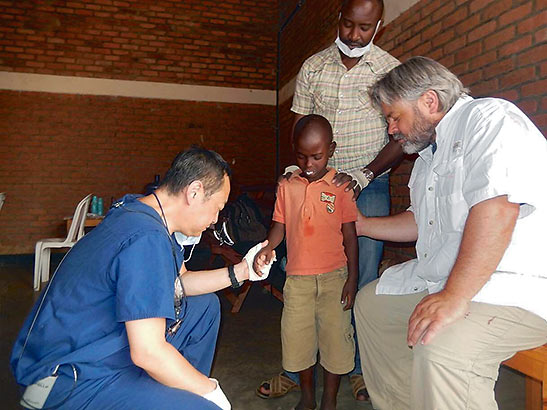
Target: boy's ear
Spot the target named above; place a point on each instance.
(332, 147)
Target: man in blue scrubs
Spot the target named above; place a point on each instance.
(123, 324)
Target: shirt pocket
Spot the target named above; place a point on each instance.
(448, 177)
(450, 205)
(364, 105)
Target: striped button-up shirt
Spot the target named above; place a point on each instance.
(326, 87)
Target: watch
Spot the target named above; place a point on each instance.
(232, 276)
(368, 174)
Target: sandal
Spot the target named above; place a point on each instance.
(358, 387)
(278, 385)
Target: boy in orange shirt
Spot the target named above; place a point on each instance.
(318, 219)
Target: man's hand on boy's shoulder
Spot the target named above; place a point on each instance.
(341, 178)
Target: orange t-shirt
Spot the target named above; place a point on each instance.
(313, 214)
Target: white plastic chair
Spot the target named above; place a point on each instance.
(43, 247)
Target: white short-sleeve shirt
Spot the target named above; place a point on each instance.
(485, 148)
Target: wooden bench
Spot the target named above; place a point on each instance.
(533, 364)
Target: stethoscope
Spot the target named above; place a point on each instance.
(180, 302)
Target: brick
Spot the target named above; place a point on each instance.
(485, 88)
(536, 88)
(532, 23)
(468, 24)
(540, 36)
(529, 106)
(482, 31)
(515, 77)
(442, 38)
(533, 55)
(495, 9)
(476, 5)
(468, 52)
(500, 37)
(456, 44)
(483, 60)
(515, 14)
(515, 46)
(499, 68)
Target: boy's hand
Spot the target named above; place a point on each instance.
(264, 257)
(348, 294)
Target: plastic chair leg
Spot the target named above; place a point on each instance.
(37, 265)
(46, 261)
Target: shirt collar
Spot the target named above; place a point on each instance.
(446, 118)
(369, 58)
(131, 202)
(327, 178)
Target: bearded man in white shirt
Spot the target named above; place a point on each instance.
(434, 330)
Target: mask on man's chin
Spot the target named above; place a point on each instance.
(184, 240)
(358, 51)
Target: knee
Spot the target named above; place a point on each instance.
(364, 300)
(205, 306)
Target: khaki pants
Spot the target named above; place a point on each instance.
(456, 370)
(314, 320)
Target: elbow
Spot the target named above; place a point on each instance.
(143, 357)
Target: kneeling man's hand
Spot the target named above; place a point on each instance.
(434, 312)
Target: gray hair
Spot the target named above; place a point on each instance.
(410, 80)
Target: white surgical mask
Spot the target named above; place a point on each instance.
(184, 240)
(358, 51)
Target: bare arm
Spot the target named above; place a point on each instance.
(395, 228)
(387, 158)
(486, 235)
(275, 236)
(351, 250)
(208, 281)
(151, 352)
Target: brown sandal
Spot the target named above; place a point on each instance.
(278, 385)
(358, 387)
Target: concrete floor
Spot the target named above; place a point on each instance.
(249, 347)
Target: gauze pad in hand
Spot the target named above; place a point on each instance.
(250, 257)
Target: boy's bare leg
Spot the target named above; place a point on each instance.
(307, 390)
(331, 382)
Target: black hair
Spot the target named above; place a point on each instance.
(196, 164)
(311, 121)
(380, 3)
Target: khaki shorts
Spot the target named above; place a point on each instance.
(314, 321)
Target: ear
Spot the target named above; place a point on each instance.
(332, 147)
(194, 191)
(430, 101)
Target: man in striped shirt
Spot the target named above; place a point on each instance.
(334, 83)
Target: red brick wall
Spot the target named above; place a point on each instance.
(497, 47)
(226, 43)
(56, 148)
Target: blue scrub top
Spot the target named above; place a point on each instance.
(122, 270)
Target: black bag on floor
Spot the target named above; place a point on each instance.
(241, 224)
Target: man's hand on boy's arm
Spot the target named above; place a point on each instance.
(351, 248)
(267, 254)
